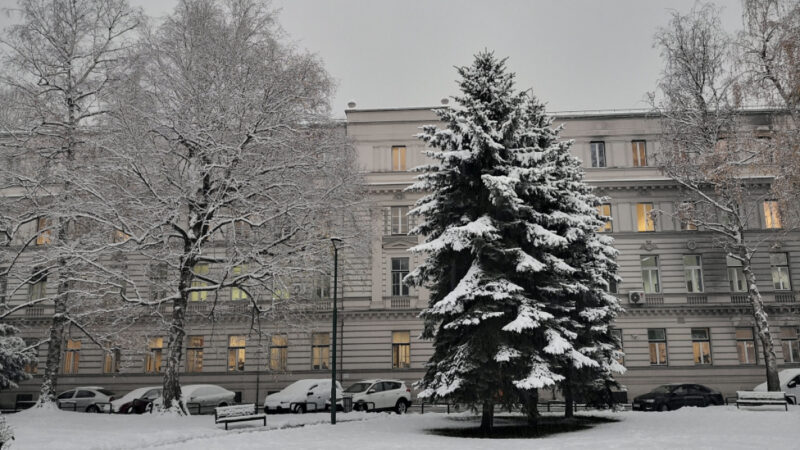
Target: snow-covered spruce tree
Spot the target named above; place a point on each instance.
(516, 270)
(14, 355)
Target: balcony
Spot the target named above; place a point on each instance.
(399, 302)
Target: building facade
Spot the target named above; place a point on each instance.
(686, 316)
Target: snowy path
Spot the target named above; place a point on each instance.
(707, 428)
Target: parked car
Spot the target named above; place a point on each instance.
(207, 396)
(673, 396)
(378, 395)
(301, 396)
(137, 400)
(790, 383)
(86, 398)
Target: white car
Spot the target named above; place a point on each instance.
(379, 395)
(199, 398)
(301, 396)
(85, 398)
(790, 383)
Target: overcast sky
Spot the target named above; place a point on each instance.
(575, 54)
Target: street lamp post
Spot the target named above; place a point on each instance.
(335, 242)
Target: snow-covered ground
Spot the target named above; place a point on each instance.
(695, 428)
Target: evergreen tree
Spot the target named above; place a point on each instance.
(14, 355)
(516, 271)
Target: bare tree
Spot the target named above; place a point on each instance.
(711, 151)
(59, 64)
(222, 170)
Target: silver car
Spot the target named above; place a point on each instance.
(198, 398)
(87, 398)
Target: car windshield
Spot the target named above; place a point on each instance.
(358, 387)
(665, 389)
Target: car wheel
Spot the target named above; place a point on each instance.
(92, 409)
(299, 409)
(222, 404)
(401, 407)
(790, 401)
(663, 407)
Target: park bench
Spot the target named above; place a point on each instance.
(238, 413)
(750, 398)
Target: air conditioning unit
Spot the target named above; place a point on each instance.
(636, 297)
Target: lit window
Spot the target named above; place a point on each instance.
(155, 348)
(119, 236)
(111, 360)
(644, 217)
(745, 346)
(736, 275)
(399, 271)
(598, 152)
(401, 350)
(72, 356)
(605, 212)
(194, 353)
(236, 292)
(44, 231)
(398, 158)
(693, 272)
(701, 346)
(616, 333)
(657, 339)
(650, 276)
(278, 352)
(236, 353)
(639, 153)
(199, 270)
(320, 351)
(399, 217)
(772, 214)
(779, 262)
(790, 344)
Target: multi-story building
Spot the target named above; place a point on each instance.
(686, 316)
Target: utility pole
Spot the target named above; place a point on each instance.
(334, 241)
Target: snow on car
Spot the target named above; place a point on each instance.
(301, 396)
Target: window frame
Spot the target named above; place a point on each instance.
(639, 152)
(401, 351)
(742, 348)
(112, 359)
(72, 356)
(237, 352)
(199, 295)
(597, 154)
(790, 342)
(44, 230)
(693, 275)
(278, 352)
(155, 354)
(398, 288)
(658, 347)
(398, 223)
(604, 210)
(616, 333)
(399, 158)
(237, 293)
(699, 344)
(195, 352)
(780, 272)
(654, 269)
(772, 215)
(644, 217)
(735, 274)
(320, 351)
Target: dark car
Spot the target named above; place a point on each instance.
(673, 396)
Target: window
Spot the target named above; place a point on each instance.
(236, 292)
(686, 215)
(399, 271)
(399, 158)
(3, 284)
(612, 285)
(399, 217)
(790, 344)
(322, 287)
(152, 363)
(194, 353)
(772, 214)
(199, 270)
(236, 353)
(644, 217)
(401, 350)
(44, 231)
(278, 352)
(745, 346)
(37, 287)
(639, 149)
(616, 333)
(158, 277)
(598, 153)
(320, 351)
(111, 360)
(605, 211)
(650, 278)
(657, 339)
(72, 356)
(119, 236)
(779, 262)
(736, 275)
(701, 346)
(693, 272)
(242, 229)
(33, 366)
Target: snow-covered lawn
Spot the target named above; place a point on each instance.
(696, 428)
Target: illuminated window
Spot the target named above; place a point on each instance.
(199, 270)
(693, 272)
(320, 351)
(155, 348)
(639, 149)
(236, 353)
(657, 340)
(644, 217)
(736, 275)
(194, 353)
(701, 346)
(399, 271)
(401, 350)
(72, 356)
(605, 211)
(790, 344)
(616, 333)
(745, 346)
(398, 158)
(44, 231)
(399, 217)
(278, 352)
(120, 236)
(236, 292)
(772, 214)
(111, 360)
(650, 276)
(598, 153)
(779, 263)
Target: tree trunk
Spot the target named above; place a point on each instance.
(487, 418)
(531, 399)
(49, 386)
(762, 328)
(569, 401)
(172, 385)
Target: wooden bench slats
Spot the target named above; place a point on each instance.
(753, 398)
